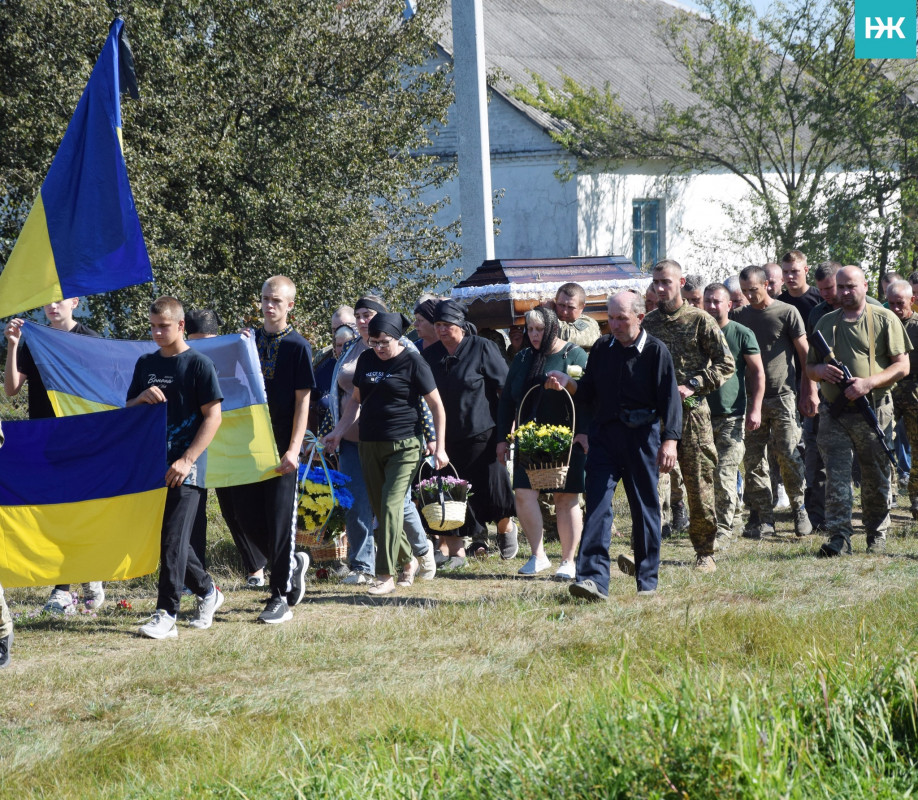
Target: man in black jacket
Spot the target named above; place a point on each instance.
(629, 401)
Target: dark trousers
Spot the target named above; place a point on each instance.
(252, 558)
(178, 563)
(198, 543)
(619, 453)
(266, 513)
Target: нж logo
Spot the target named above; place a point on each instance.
(884, 28)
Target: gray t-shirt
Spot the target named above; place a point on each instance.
(776, 327)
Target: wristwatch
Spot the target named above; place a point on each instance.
(694, 384)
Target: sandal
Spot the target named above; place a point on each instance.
(406, 576)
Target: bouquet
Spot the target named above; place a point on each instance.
(323, 501)
(428, 491)
(542, 444)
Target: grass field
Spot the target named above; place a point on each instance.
(778, 676)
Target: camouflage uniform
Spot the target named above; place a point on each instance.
(905, 406)
(699, 351)
(839, 438)
(728, 440)
(583, 331)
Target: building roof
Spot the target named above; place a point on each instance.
(595, 42)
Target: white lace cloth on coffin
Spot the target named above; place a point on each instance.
(545, 289)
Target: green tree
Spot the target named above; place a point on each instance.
(271, 136)
(822, 140)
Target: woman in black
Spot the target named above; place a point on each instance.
(470, 374)
(388, 381)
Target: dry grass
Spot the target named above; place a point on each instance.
(89, 709)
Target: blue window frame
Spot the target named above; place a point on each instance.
(648, 236)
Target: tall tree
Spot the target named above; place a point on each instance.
(272, 136)
(821, 140)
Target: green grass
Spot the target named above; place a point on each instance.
(778, 676)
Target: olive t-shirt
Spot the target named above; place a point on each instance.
(730, 399)
(775, 328)
(850, 343)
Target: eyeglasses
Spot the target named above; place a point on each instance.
(380, 344)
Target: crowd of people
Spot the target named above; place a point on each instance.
(702, 400)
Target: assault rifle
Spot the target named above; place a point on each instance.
(862, 404)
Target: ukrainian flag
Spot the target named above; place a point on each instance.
(82, 498)
(82, 235)
(84, 374)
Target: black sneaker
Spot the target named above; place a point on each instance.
(680, 517)
(5, 644)
(509, 543)
(298, 579)
(276, 611)
(587, 590)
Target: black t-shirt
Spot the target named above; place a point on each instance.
(389, 394)
(286, 363)
(805, 303)
(470, 382)
(39, 403)
(189, 381)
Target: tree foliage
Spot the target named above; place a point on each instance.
(822, 140)
(272, 136)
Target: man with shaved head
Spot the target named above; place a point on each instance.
(873, 344)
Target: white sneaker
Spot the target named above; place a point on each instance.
(357, 578)
(160, 626)
(566, 572)
(93, 595)
(207, 605)
(535, 565)
(60, 602)
(428, 568)
(782, 501)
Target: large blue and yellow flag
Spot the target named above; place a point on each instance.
(84, 374)
(82, 235)
(82, 498)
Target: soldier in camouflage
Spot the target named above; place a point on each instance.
(576, 327)
(703, 363)
(872, 343)
(905, 392)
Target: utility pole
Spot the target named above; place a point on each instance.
(474, 142)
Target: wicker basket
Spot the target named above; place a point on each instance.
(446, 516)
(333, 548)
(552, 476)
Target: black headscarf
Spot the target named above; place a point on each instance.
(454, 313)
(427, 310)
(365, 302)
(393, 324)
(536, 372)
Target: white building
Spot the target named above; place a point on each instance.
(633, 210)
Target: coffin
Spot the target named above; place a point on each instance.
(501, 291)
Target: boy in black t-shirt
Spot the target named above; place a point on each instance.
(265, 511)
(21, 368)
(187, 382)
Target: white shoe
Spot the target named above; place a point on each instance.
(60, 602)
(535, 565)
(93, 595)
(566, 572)
(357, 579)
(160, 626)
(428, 568)
(782, 501)
(207, 605)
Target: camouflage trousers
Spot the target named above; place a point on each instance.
(728, 440)
(839, 439)
(6, 619)
(905, 405)
(780, 433)
(697, 460)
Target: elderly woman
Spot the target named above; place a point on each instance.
(359, 517)
(470, 375)
(389, 380)
(529, 368)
